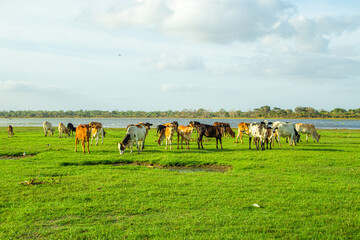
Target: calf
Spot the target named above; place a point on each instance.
(243, 128)
(258, 131)
(71, 128)
(62, 129)
(210, 131)
(96, 131)
(47, 126)
(159, 128)
(134, 133)
(10, 131)
(185, 134)
(228, 130)
(308, 129)
(167, 134)
(82, 133)
(286, 129)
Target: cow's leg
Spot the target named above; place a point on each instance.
(142, 145)
(220, 143)
(137, 144)
(91, 137)
(76, 142)
(178, 140)
(237, 137)
(279, 140)
(83, 146)
(102, 136)
(97, 139)
(166, 147)
(88, 145)
(170, 142)
(307, 138)
(250, 142)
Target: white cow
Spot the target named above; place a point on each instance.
(134, 134)
(62, 129)
(285, 129)
(308, 129)
(258, 131)
(47, 126)
(96, 132)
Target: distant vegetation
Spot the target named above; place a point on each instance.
(262, 112)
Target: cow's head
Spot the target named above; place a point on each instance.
(121, 148)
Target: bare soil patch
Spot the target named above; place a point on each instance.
(199, 168)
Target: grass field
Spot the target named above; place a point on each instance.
(308, 191)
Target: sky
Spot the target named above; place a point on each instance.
(154, 55)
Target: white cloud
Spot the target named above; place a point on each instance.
(201, 20)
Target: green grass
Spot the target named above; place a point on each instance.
(308, 191)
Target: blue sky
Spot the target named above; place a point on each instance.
(179, 54)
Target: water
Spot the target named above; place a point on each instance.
(123, 122)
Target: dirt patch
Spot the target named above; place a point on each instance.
(200, 168)
(8, 157)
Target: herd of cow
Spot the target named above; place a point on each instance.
(260, 134)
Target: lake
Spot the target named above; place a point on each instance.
(123, 122)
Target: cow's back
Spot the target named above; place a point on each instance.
(47, 125)
(139, 131)
(82, 132)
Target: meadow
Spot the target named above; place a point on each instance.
(307, 191)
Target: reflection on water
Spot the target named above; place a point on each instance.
(123, 122)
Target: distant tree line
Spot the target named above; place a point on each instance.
(262, 112)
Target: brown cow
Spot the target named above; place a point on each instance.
(185, 133)
(308, 129)
(83, 134)
(10, 131)
(167, 134)
(243, 128)
(210, 131)
(228, 130)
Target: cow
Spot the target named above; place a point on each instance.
(286, 129)
(258, 131)
(167, 134)
(135, 134)
(97, 130)
(228, 130)
(210, 131)
(82, 133)
(185, 133)
(195, 129)
(47, 126)
(62, 129)
(243, 128)
(160, 127)
(71, 128)
(10, 131)
(308, 129)
(269, 136)
(147, 125)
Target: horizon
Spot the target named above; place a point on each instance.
(176, 54)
